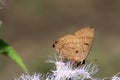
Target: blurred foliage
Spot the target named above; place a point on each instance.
(7, 50)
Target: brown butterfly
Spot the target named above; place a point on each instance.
(75, 47)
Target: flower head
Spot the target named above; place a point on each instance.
(116, 77)
(66, 71)
(30, 77)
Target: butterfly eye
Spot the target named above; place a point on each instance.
(53, 45)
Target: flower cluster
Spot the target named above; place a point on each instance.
(64, 71)
(67, 71)
(26, 76)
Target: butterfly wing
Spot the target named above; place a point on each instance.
(75, 47)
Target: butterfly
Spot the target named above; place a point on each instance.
(75, 47)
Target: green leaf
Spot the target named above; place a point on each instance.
(7, 50)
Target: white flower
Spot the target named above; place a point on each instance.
(30, 77)
(116, 77)
(66, 71)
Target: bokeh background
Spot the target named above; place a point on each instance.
(32, 26)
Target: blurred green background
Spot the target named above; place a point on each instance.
(32, 26)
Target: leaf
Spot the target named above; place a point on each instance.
(7, 50)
